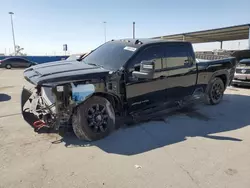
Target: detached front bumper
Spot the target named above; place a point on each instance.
(30, 118)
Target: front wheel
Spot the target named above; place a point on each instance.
(94, 119)
(215, 91)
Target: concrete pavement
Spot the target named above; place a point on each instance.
(207, 147)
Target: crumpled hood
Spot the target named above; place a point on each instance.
(62, 71)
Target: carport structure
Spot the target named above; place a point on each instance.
(238, 32)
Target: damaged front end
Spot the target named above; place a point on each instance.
(52, 91)
(51, 106)
(39, 107)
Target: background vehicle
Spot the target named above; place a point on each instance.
(15, 62)
(75, 57)
(122, 78)
(242, 74)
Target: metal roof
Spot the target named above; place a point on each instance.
(237, 32)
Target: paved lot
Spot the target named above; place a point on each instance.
(209, 147)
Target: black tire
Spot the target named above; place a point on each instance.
(215, 91)
(8, 66)
(93, 122)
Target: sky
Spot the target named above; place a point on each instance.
(43, 26)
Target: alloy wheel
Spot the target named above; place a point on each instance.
(97, 118)
(216, 92)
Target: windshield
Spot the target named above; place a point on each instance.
(244, 63)
(111, 55)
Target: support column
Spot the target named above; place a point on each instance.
(183, 37)
(249, 37)
(221, 45)
(133, 30)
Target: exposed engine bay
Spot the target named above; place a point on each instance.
(53, 106)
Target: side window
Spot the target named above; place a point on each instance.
(23, 61)
(175, 56)
(154, 53)
(13, 59)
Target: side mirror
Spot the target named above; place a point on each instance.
(147, 69)
(188, 62)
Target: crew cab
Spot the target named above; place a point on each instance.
(120, 79)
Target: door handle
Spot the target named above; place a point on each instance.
(162, 77)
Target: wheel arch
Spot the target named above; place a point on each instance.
(224, 79)
(114, 100)
(223, 75)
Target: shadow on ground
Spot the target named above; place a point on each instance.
(201, 121)
(4, 97)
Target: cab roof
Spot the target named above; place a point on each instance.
(145, 41)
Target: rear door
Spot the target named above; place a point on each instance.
(142, 93)
(180, 67)
(13, 62)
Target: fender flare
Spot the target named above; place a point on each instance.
(106, 95)
(217, 74)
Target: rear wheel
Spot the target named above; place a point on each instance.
(215, 91)
(94, 119)
(8, 66)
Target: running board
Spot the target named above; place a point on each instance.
(158, 111)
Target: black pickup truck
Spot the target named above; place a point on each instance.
(121, 78)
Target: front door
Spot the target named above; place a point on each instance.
(143, 93)
(16, 63)
(23, 63)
